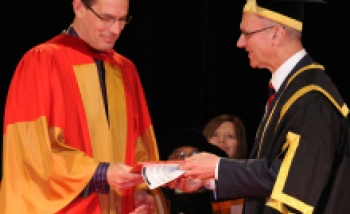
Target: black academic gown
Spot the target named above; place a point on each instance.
(290, 166)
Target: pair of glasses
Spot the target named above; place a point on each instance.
(248, 34)
(109, 21)
(180, 155)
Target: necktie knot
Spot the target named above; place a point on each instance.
(270, 89)
(271, 92)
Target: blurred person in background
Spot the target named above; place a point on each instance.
(227, 132)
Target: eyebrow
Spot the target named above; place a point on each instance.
(107, 15)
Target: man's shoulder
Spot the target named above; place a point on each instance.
(313, 85)
(310, 75)
(123, 60)
(47, 47)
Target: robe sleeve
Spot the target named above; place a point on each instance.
(296, 179)
(41, 173)
(307, 164)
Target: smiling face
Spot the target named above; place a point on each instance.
(100, 34)
(225, 138)
(258, 45)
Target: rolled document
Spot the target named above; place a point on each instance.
(156, 175)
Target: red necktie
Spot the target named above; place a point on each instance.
(272, 93)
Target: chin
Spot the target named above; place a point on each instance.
(105, 47)
(253, 65)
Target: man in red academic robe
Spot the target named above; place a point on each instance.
(76, 120)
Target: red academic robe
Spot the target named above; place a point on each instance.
(56, 130)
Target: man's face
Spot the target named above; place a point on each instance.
(99, 33)
(255, 39)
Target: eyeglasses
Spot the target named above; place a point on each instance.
(180, 155)
(107, 21)
(248, 34)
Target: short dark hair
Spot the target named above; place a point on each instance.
(88, 2)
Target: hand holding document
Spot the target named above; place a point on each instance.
(156, 174)
(119, 177)
(200, 166)
(187, 175)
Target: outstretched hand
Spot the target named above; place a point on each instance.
(200, 166)
(199, 169)
(119, 177)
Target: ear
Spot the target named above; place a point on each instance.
(278, 36)
(78, 8)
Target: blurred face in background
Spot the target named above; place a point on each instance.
(183, 152)
(225, 138)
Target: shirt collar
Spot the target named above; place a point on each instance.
(71, 31)
(282, 72)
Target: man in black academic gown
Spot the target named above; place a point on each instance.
(299, 143)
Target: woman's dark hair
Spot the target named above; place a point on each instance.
(213, 124)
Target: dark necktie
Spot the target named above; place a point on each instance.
(271, 93)
(101, 74)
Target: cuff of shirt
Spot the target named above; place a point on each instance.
(98, 182)
(211, 184)
(217, 169)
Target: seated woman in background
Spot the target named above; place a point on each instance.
(227, 132)
(179, 144)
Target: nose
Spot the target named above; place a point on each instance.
(221, 139)
(117, 27)
(241, 41)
